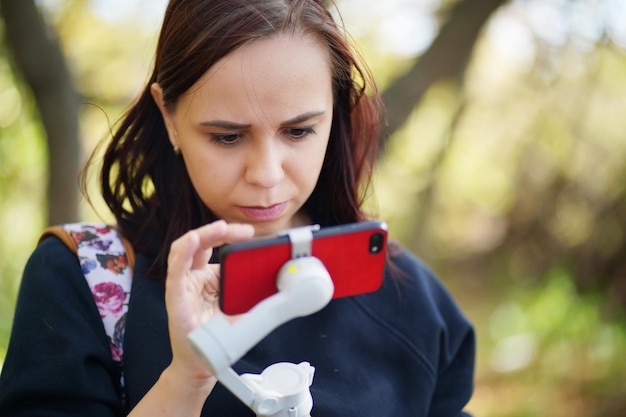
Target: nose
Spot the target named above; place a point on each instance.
(264, 165)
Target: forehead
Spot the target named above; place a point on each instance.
(269, 69)
(284, 53)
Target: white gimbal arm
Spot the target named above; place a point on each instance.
(282, 389)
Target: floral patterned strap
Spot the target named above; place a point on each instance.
(105, 263)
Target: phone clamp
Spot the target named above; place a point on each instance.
(282, 389)
(301, 239)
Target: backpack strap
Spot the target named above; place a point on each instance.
(64, 235)
(107, 261)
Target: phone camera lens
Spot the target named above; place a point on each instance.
(376, 243)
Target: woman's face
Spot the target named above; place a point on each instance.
(253, 130)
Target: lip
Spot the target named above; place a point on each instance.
(260, 213)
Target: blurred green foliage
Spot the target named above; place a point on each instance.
(22, 187)
(510, 183)
(546, 350)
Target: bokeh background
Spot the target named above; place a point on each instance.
(503, 166)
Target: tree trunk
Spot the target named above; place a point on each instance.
(447, 57)
(40, 60)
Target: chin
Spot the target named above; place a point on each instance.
(267, 229)
(272, 227)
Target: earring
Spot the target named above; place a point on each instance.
(176, 149)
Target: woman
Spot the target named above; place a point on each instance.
(255, 119)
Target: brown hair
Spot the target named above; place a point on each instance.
(146, 186)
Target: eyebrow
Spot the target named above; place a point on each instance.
(228, 125)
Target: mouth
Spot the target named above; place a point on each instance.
(260, 213)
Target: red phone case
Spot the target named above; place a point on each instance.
(354, 255)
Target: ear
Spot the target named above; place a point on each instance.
(157, 96)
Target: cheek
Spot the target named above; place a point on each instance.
(309, 164)
(211, 177)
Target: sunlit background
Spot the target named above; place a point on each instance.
(509, 180)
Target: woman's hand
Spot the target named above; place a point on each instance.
(191, 295)
(192, 292)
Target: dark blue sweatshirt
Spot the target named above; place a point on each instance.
(405, 350)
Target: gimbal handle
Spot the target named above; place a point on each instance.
(282, 389)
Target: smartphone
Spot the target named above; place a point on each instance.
(354, 255)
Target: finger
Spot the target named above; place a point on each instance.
(211, 237)
(212, 281)
(208, 237)
(181, 255)
(193, 249)
(219, 232)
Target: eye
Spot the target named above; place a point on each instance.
(226, 139)
(300, 132)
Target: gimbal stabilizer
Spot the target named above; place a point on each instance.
(282, 389)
